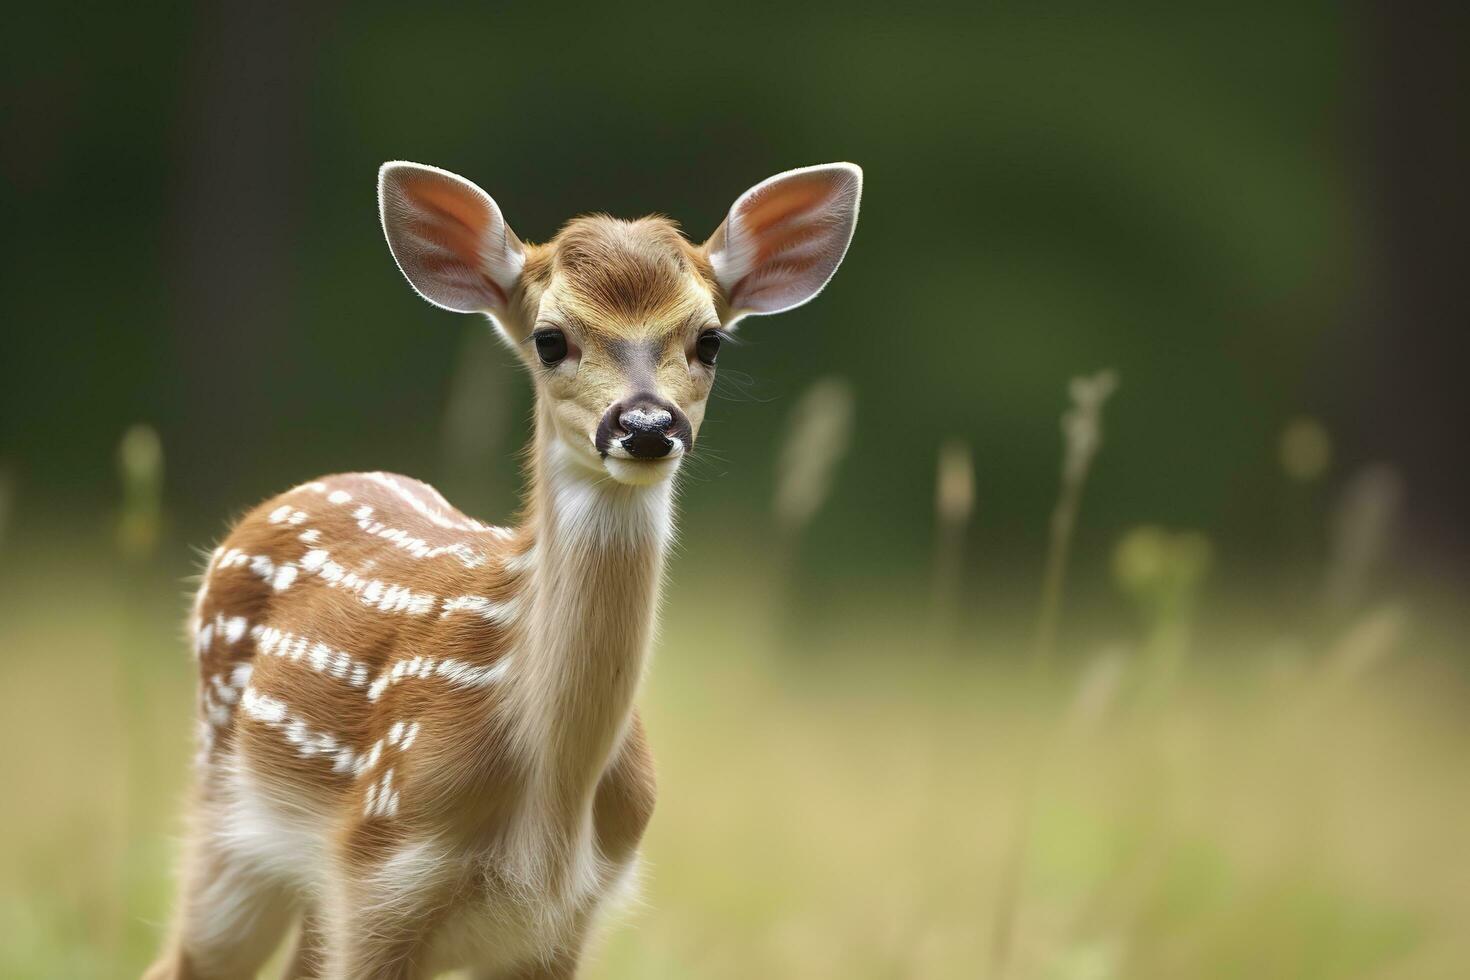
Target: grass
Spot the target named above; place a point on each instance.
(848, 812)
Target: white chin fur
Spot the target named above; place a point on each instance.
(641, 473)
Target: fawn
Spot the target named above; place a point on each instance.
(417, 734)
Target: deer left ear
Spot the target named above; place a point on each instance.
(449, 238)
(784, 238)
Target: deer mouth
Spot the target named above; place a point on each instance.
(626, 468)
(645, 448)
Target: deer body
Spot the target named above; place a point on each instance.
(476, 765)
(417, 731)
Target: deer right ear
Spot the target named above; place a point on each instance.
(784, 238)
(449, 238)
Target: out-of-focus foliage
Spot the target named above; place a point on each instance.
(140, 470)
(191, 239)
(818, 435)
(849, 813)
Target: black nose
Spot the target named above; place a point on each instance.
(647, 428)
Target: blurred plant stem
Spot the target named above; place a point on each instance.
(817, 437)
(1095, 693)
(7, 499)
(1008, 900)
(1360, 537)
(954, 503)
(140, 470)
(1367, 642)
(1082, 437)
(1162, 573)
(1304, 451)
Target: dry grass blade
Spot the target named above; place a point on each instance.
(1082, 438)
(817, 438)
(1362, 532)
(140, 469)
(1305, 450)
(954, 503)
(7, 499)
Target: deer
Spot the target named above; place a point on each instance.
(417, 739)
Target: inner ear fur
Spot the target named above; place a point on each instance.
(783, 239)
(449, 238)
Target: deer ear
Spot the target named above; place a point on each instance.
(784, 238)
(449, 238)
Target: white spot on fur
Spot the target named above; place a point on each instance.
(317, 655)
(223, 690)
(490, 610)
(370, 759)
(372, 592)
(415, 546)
(263, 708)
(234, 629)
(382, 797)
(455, 672)
(431, 514)
(308, 743)
(286, 514)
(280, 576)
(520, 563)
(240, 676)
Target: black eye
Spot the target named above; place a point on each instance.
(551, 346)
(707, 347)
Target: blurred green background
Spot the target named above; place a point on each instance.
(1244, 756)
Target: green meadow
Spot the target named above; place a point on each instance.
(884, 792)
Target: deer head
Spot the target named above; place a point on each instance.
(620, 323)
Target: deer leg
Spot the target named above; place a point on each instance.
(373, 931)
(561, 967)
(231, 918)
(377, 946)
(308, 959)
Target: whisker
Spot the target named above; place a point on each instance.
(739, 386)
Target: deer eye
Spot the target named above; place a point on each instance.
(707, 347)
(551, 346)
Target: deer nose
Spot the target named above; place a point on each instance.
(647, 429)
(644, 426)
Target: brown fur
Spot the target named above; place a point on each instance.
(468, 768)
(417, 733)
(463, 771)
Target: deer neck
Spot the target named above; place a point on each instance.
(593, 592)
